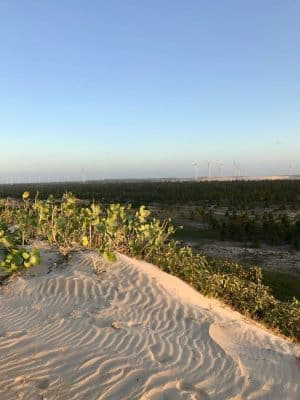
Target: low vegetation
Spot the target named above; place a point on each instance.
(15, 257)
(69, 224)
(257, 228)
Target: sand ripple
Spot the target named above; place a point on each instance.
(132, 332)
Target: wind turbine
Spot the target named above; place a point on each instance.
(221, 170)
(196, 166)
(208, 170)
(82, 176)
(237, 169)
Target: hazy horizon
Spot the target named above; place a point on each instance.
(135, 90)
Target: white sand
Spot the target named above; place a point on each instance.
(132, 332)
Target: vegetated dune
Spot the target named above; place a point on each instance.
(131, 332)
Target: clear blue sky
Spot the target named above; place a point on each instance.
(138, 88)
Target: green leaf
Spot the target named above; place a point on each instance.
(108, 255)
(34, 260)
(18, 259)
(25, 255)
(85, 241)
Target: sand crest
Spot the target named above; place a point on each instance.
(132, 332)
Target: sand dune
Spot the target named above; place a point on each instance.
(132, 332)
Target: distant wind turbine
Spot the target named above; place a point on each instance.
(82, 176)
(237, 169)
(208, 170)
(221, 170)
(196, 166)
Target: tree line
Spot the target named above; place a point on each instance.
(238, 194)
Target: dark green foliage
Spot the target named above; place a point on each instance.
(238, 194)
(256, 228)
(284, 286)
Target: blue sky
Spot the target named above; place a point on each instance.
(143, 88)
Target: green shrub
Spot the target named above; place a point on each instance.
(14, 257)
(19, 258)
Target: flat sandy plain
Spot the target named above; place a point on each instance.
(131, 331)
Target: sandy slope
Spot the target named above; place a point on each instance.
(132, 332)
